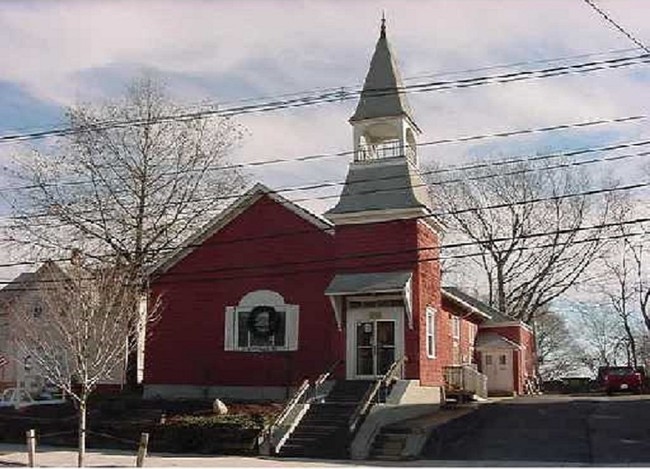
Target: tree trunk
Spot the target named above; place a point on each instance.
(501, 291)
(81, 455)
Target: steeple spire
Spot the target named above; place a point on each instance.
(383, 91)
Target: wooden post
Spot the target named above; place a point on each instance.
(142, 450)
(31, 447)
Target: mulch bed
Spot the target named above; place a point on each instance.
(116, 422)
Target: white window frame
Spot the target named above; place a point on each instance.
(455, 327)
(246, 305)
(430, 336)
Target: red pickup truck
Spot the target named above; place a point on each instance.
(621, 378)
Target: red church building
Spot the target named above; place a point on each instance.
(269, 294)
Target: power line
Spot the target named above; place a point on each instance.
(203, 104)
(331, 261)
(617, 26)
(446, 141)
(427, 216)
(342, 95)
(563, 165)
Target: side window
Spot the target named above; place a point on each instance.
(488, 359)
(502, 359)
(455, 327)
(431, 332)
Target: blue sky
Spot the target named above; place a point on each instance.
(57, 53)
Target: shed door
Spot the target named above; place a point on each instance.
(498, 367)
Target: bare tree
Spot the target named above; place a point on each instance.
(88, 319)
(505, 211)
(619, 290)
(603, 340)
(556, 350)
(131, 179)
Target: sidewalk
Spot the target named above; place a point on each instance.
(54, 456)
(51, 456)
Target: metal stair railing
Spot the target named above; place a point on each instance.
(377, 392)
(316, 394)
(278, 432)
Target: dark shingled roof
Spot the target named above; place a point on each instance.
(495, 314)
(383, 184)
(383, 91)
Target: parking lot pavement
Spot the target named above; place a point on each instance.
(568, 430)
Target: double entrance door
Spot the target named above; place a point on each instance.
(375, 347)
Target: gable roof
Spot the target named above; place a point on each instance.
(229, 214)
(487, 340)
(25, 281)
(16, 287)
(383, 92)
(473, 304)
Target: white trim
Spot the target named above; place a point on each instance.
(246, 304)
(506, 324)
(430, 331)
(337, 306)
(408, 302)
(371, 314)
(377, 216)
(229, 214)
(455, 327)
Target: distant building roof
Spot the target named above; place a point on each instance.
(494, 314)
(16, 287)
(486, 340)
(383, 93)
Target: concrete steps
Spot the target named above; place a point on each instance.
(323, 431)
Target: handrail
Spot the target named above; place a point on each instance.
(291, 404)
(363, 407)
(323, 377)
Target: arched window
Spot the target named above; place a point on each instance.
(261, 322)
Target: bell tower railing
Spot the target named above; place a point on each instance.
(389, 149)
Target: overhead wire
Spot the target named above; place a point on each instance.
(562, 165)
(342, 95)
(332, 261)
(315, 229)
(445, 141)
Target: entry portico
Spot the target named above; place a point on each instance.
(374, 308)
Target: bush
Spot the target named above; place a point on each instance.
(217, 434)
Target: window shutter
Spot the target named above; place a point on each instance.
(229, 329)
(292, 327)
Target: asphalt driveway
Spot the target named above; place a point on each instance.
(549, 429)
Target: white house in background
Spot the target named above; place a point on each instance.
(16, 367)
